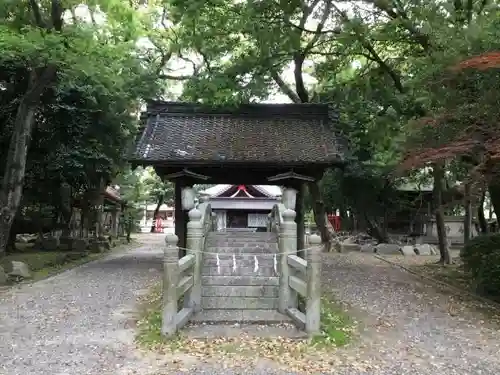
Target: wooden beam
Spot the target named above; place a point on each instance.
(290, 175)
(238, 174)
(187, 173)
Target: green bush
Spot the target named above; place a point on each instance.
(481, 258)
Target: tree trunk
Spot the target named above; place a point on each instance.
(438, 174)
(161, 198)
(65, 208)
(12, 184)
(468, 212)
(375, 230)
(483, 225)
(320, 214)
(15, 165)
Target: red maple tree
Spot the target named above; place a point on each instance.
(468, 124)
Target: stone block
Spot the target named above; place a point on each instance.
(3, 276)
(65, 243)
(80, 244)
(425, 249)
(240, 316)
(388, 249)
(50, 244)
(367, 248)
(239, 280)
(239, 291)
(243, 303)
(227, 270)
(20, 270)
(239, 259)
(97, 246)
(408, 250)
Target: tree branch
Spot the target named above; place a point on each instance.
(174, 78)
(398, 12)
(285, 88)
(319, 29)
(482, 6)
(374, 56)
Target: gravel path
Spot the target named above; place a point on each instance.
(78, 322)
(410, 327)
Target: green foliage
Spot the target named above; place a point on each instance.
(481, 257)
(86, 118)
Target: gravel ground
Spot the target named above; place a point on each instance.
(410, 326)
(79, 322)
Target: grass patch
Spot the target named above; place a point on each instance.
(337, 330)
(453, 274)
(317, 355)
(43, 264)
(337, 327)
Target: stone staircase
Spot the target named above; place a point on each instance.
(239, 279)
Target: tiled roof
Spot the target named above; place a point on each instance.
(273, 133)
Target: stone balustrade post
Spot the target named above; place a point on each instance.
(170, 282)
(194, 244)
(313, 279)
(287, 246)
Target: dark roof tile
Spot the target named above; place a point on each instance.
(284, 133)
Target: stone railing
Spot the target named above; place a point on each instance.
(182, 277)
(299, 276)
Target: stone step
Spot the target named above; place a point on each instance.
(240, 291)
(240, 259)
(236, 330)
(239, 244)
(267, 249)
(242, 235)
(239, 316)
(239, 280)
(241, 270)
(239, 303)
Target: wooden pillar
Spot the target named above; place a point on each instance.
(180, 217)
(300, 219)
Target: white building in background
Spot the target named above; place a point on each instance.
(242, 206)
